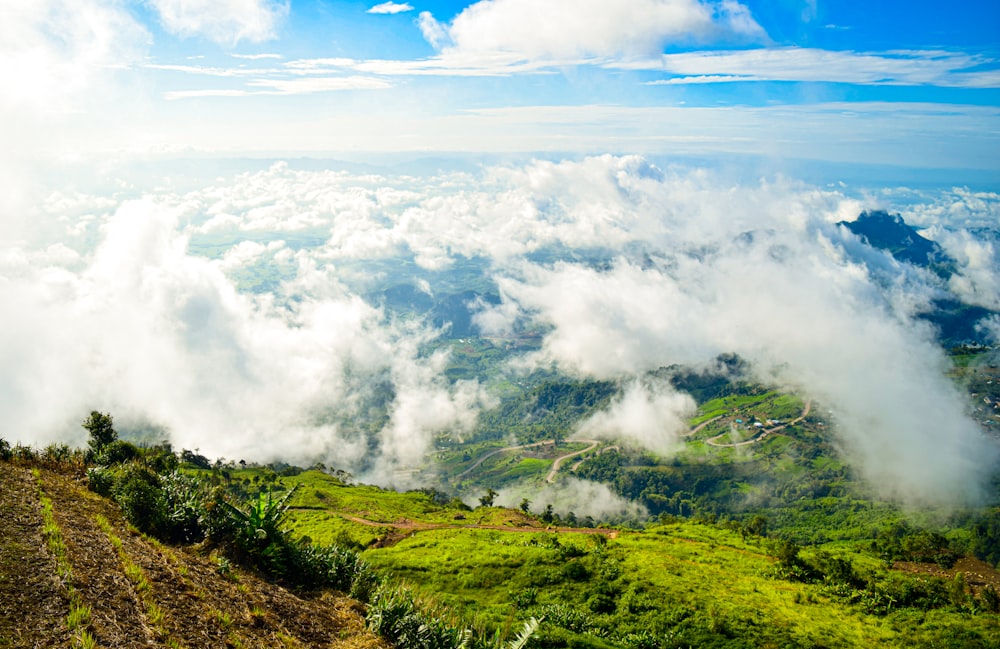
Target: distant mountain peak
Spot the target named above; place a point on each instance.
(891, 233)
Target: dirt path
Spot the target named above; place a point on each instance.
(503, 450)
(697, 429)
(606, 449)
(551, 477)
(758, 435)
(419, 526)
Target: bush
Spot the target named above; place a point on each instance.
(394, 615)
(601, 603)
(23, 453)
(137, 490)
(183, 498)
(5, 453)
(330, 566)
(100, 480)
(117, 452)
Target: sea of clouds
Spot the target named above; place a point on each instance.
(133, 299)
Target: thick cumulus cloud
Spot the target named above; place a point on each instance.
(160, 337)
(575, 29)
(625, 267)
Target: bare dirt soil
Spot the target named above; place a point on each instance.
(977, 574)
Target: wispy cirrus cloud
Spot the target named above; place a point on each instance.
(900, 68)
(209, 71)
(300, 86)
(904, 67)
(257, 57)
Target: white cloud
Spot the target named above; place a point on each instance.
(257, 57)
(301, 86)
(582, 497)
(561, 29)
(154, 334)
(650, 415)
(59, 60)
(208, 71)
(320, 84)
(930, 67)
(226, 22)
(434, 32)
(700, 264)
(391, 8)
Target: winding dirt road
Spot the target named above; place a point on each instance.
(502, 450)
(551, 477)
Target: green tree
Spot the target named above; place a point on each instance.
(756, 526)
(101, 429)
(525, 505)
(488, 499)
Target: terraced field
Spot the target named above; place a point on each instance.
(74, 574)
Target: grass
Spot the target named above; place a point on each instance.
(78, 618)
(693, 582)
(155, 615)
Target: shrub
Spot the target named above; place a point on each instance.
(394, 615)
(990, 599)
(255, 534)
(161, 458)
(23, 453)
(601, 603)
(117, 452)
(56, 453)
(568, 617)
(331, 566)
(100, 480)
(184, 505)
(5, 452)
(137, 490)
(575, 571)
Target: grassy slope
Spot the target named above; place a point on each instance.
(685, 582)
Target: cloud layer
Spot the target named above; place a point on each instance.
(625, 266)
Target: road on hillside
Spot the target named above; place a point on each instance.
(551, 477)
(698, 428)
(503, 450)
(759, 435)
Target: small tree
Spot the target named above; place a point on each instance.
(101, 429)
(488, 499)
(525, 505)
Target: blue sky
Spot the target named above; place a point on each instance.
(891, 82)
